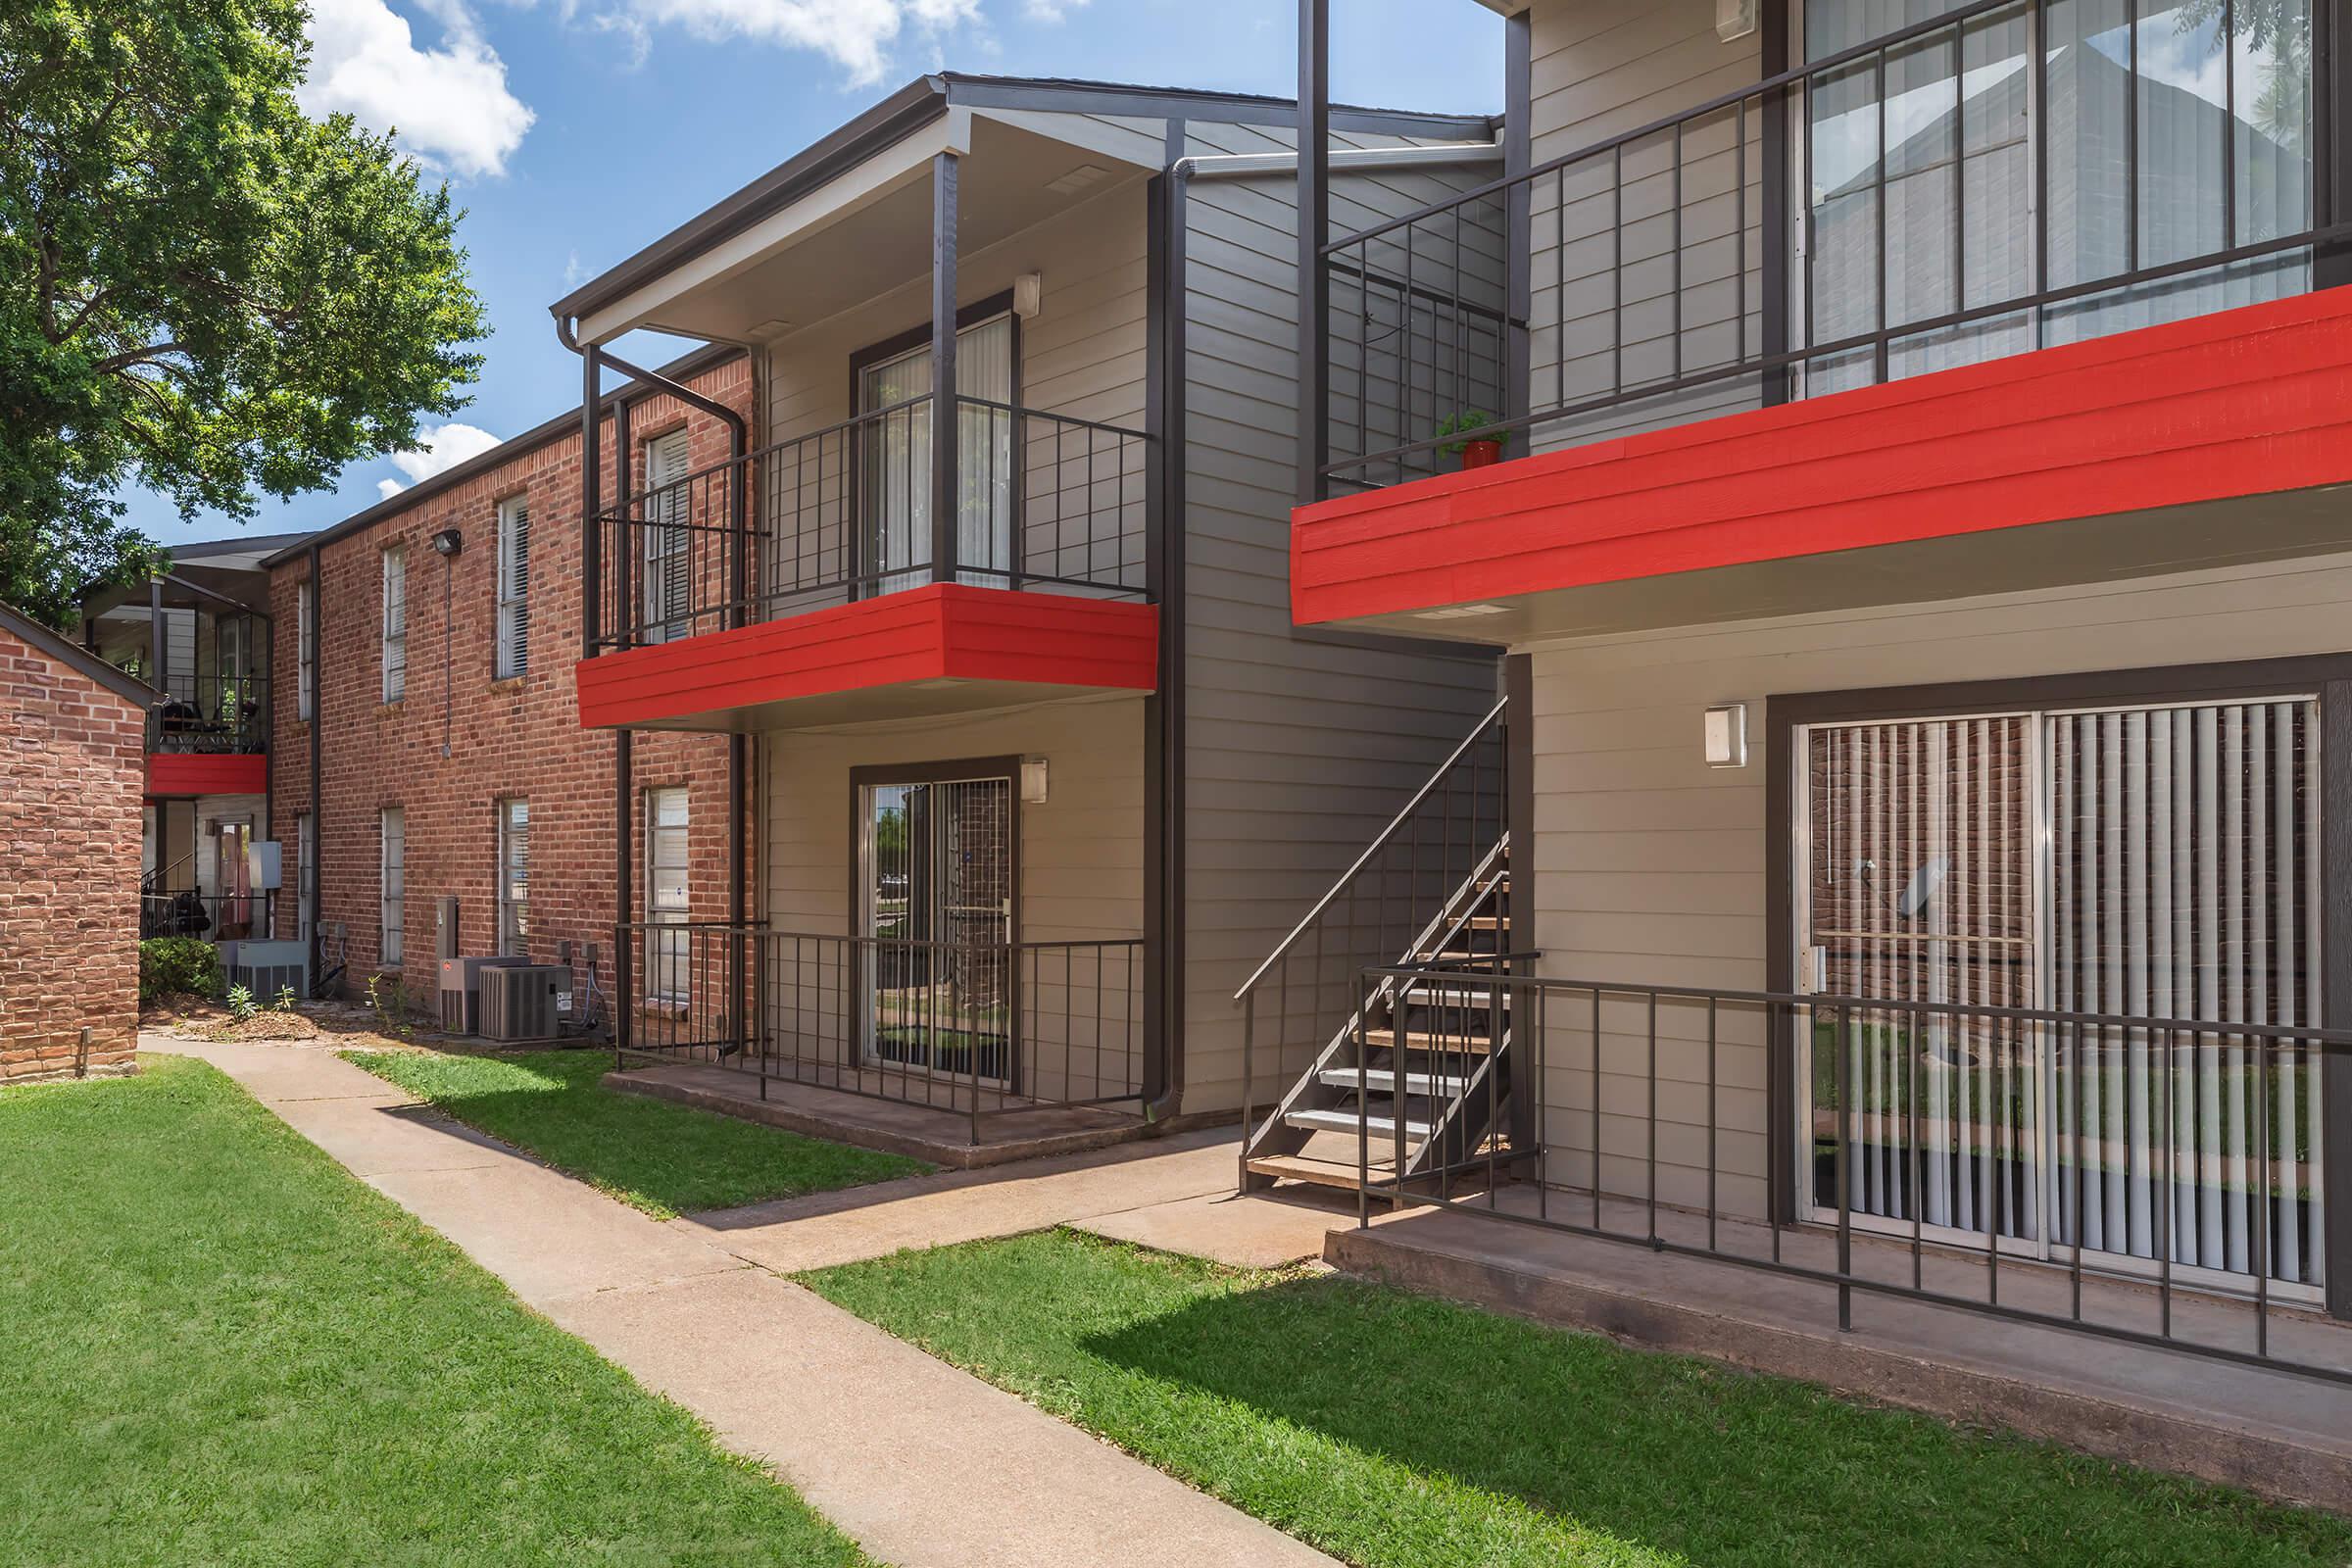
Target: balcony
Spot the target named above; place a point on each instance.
(842, 574)
(1904, 293)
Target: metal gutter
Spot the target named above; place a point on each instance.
(1446, 155)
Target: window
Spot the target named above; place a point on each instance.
(394, 839)
(666, 898)
(306, 653)
(668, 537)
(893, 484)
(396, 623)
(514, 878)
(514, 586)
(2154, 861)
(306, 874)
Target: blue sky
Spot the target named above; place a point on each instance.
(575, 131)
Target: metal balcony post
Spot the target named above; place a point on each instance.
(1314, 220)
(946, 447)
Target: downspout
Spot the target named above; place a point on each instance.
(739, 521)
(317, 866)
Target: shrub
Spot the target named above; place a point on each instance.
(169, 964)
(240, 1003)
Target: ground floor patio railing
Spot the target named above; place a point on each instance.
(979, 1028)
(1992, 1158)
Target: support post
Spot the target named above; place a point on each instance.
(2332, 115)
(1314, 221)
(946, 448)
(1518, 66)
(1774, 194)
(155, 672)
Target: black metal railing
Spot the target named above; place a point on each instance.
(979, 1029)
(1666, 274)
(217, 715)
(213, 916)
(1045, 502)
(2158, 1181)
(1391, 902)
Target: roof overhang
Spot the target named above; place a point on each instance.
(2201, 442)
(947, 648)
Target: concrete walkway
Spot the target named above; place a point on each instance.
(921, 1463)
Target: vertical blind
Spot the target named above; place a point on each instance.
(394, 885)
(514, 586)
(396, 623)
(2155, 862)
(2184, 857)
(667, 541)
(894, 474)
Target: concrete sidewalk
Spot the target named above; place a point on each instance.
(921, 1463)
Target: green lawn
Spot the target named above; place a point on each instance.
(220, 1348)
(664, 1158)
(1401, 1432)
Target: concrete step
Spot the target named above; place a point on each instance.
(1317, 1172)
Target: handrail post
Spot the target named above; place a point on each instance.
(1314, 220)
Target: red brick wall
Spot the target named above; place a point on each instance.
(504, 738)
(73, 766)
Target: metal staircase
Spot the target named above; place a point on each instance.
(1392, 1031)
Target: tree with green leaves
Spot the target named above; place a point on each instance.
(202, 290)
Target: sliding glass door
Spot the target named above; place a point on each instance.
(935, 890)
(2154, 862)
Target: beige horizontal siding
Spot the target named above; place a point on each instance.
(1649, 866)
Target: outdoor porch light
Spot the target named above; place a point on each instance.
(1735, 18)
(1033, 781)
(1028, 290)
(1727, 735)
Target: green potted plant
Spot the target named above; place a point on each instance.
(1480, 445)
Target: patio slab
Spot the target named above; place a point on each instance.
(2273, 1431)
(1253, 1232)
(941, 1134)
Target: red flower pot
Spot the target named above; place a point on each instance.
(1481, 453)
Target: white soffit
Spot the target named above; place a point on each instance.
(877, 177)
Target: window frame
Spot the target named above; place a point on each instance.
(513, 913)
(391, 904)
(665, 950)
(392, 647)
(511, 614)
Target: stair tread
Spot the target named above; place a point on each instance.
(1306, 1168)
(1337, 1120)
(1382, 1081)
(1455, 1044)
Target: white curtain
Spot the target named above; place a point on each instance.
(896, 470)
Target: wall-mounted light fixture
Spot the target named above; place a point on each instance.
(1028, 292)
(448, 542)
(1727, 735)
(1033, 781)
(1735, 18)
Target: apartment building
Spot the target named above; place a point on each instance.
(1919, 567)
(426, 745)
(1041, 765)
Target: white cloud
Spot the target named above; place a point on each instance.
(1050, 10)
(450, 104)
(857, 35)
(443, 446)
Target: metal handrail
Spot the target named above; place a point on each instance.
(1477, 733)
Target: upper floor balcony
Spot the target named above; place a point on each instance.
(1845, 305)
(943, 498)
(197, 635)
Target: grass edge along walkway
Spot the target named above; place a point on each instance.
(1399, 1431)
(662, 1158)
(224, 1349)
